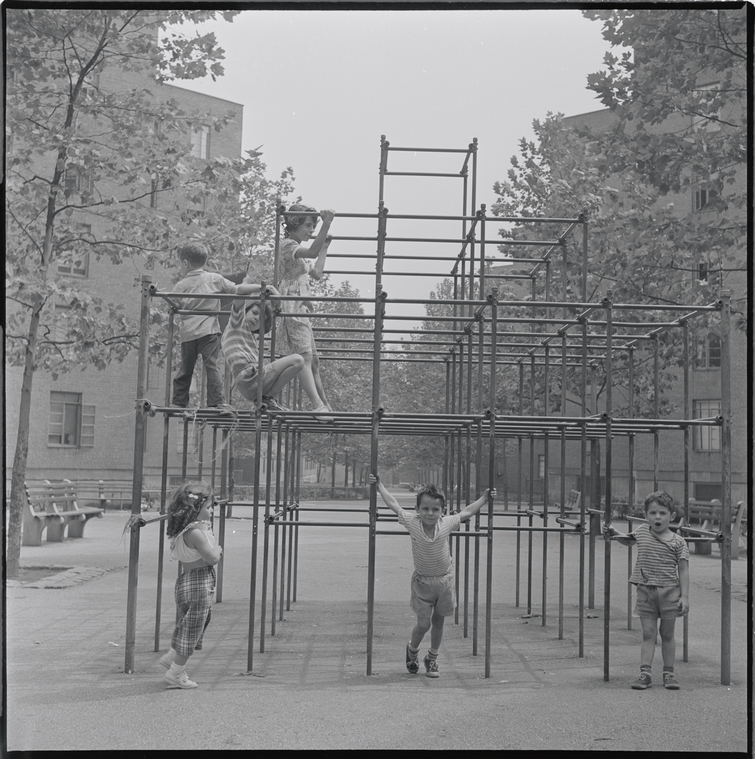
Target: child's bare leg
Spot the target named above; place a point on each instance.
(436, 631)
(649, 634)
(668, 642)
(307, 379)
(285, 369)
(318, 380)
(422, 626)
(180, 660)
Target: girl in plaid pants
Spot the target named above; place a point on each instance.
(192, 542)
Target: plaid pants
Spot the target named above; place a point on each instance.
(194, 593)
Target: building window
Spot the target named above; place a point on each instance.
(200, 141)
(78, 181)
(71, 423)
(706, 438)
(76, 264)
(709, 352)
(702, 271)
(702, 197)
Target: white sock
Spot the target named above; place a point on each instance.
(177, 669)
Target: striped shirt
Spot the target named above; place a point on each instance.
(199, 281)
(239, 344)
(432, 556)
(657, 560)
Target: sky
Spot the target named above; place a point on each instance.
(319, 88)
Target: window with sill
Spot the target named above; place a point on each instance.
(708, 352)
(71, 423)
(706, 438)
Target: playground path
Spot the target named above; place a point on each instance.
(308, 689)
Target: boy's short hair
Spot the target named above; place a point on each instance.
(290, 223)
(433, 492)
(194, 253)
(268, 313)
(662, 498)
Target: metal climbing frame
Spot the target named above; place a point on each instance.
(485, 332)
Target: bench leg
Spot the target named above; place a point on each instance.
(55, 531)
(31, 534)
(703, 547)
(76, 527)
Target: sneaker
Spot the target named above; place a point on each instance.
(411, 662)
(272, 404)
(431, 667)
(179, 681)
(319, 411)
(669, 681)
(165, 661)
(643, 681)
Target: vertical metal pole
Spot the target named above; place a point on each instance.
(686, 415)
(608, 301)
(376, 414)
(594, 495)
(164, 480)
(519, 468)
(266, 539)
(493, 298)
(562, 464)
(279, 501)
(546, 451)
(136, 490)
(726, 546)
(532, 488)
(583, 499)
(657, 405)
(631, 486)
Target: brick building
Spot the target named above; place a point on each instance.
(82, 423)
(704, 390)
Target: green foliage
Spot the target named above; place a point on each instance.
(676, 124)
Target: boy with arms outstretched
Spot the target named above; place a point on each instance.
(433, 597)
(661, 575)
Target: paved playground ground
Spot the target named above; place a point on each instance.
(67, 690)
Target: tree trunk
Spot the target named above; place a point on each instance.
(17, 492)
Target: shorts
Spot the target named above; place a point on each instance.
(656, 602)
(194, 594)
(433, 593)
(246, 381)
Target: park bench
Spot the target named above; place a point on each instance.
(113, 494)
(706, 516)
(54, 505)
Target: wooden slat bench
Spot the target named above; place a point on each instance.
(113, 494)
(54, 505)
(706, 515)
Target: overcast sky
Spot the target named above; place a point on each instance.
(319, 88)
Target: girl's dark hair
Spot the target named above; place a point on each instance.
(433, 492)
(290, 223)
(268, 314)
(662, 498)
(185, 506)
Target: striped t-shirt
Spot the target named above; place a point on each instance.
(657, 560)
(432, 556)
(239, 344)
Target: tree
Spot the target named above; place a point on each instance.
(676, 129)
(80, 148)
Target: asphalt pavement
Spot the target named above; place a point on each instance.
(308, 686)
